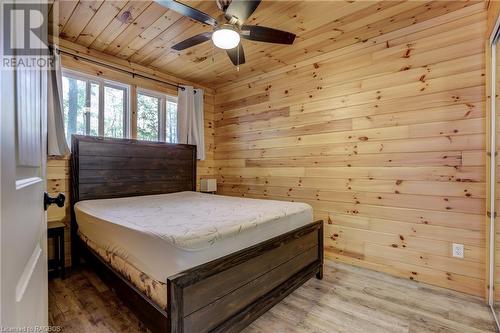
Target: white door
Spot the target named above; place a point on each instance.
(23, 228)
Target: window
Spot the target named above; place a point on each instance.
(148, 117)
(115, 108)
(156, 116)
(81, 106)
(98, 107)
(94, 106)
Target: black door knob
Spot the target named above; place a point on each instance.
(48, 200)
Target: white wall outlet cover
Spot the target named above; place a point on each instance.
(458, 250)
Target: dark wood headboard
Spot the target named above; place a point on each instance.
(103, 168)
(109, 168)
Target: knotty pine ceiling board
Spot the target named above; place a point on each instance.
(143, 32)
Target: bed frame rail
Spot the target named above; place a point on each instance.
(227, 294)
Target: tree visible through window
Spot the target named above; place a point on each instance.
(114, 110)
(87, 112)
(94, 110)
(148, 117)
(98, 107)
(81, 107)
(156, 117)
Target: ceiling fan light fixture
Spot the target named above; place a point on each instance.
(226, 37)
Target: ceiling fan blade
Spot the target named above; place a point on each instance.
(188, 11)
(192, 41)
(237, 55)
(265, 34)
(241, 9)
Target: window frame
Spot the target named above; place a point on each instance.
(130, 103)
(102, 83)
(126, 105)
(161, 110)
(162, 116)
(88, 83)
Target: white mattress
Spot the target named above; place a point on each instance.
(164, 234)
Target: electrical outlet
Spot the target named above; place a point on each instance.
(458, 250)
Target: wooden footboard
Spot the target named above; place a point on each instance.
(227, 294)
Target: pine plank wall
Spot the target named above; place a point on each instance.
(382, 133)
(383, 137)
(497, 188)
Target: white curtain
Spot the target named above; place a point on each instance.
(56, 142)
(190, 120)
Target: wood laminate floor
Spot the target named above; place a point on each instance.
(348, 299)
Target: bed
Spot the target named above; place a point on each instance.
(184, 261)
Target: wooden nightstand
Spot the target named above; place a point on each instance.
(56, 232)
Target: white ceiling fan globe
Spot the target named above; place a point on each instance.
(226, 38)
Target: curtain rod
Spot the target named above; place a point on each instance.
(177, 85)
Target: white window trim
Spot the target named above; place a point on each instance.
(127, 117)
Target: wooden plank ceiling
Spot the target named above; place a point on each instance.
(143, 32)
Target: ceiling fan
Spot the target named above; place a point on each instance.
(230, 27)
